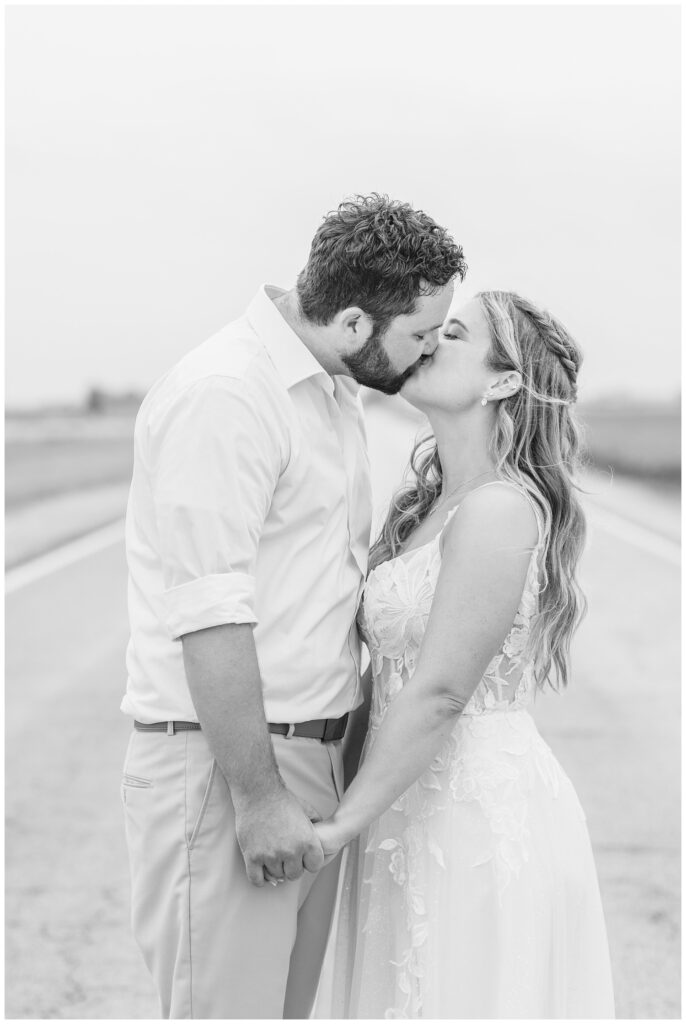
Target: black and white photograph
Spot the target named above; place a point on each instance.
(342, 511)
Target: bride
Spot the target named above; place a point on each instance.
(469, 889)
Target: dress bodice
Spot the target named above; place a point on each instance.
(393, 615)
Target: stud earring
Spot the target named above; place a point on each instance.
(484, 401)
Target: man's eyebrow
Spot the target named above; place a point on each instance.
(454, 320)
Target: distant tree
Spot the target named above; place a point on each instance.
(96, 400)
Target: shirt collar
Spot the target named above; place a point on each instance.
(293, 360)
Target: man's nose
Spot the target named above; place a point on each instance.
(431, 344)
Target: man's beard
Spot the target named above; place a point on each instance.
(372, 366)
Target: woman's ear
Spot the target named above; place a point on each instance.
(507, 385)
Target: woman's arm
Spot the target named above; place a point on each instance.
(356, 732)
(487, 549)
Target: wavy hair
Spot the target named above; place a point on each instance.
(536, 444)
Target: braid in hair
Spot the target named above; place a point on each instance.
(554, 336)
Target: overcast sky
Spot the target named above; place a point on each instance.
(162, 162)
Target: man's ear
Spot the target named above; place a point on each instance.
(354, 325)
(507, 385)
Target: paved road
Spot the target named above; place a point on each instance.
(616, 731)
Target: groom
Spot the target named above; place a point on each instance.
(247, 536)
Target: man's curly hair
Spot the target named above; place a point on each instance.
(378, 254)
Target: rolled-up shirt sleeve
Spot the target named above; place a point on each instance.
(215, 459)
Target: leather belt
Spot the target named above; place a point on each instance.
(324, 729)
(169, 727)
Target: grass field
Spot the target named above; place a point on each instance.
(635, 441)
(52, 455)
(58, 455)
(43, 469)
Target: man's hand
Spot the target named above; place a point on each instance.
(275, 835)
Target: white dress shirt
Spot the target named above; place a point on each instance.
(250, 503)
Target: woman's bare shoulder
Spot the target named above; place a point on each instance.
(493, 514)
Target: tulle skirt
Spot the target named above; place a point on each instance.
(475, 895)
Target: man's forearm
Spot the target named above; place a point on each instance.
(224, 682)
(275, 835)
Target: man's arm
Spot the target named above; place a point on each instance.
(224, 680)
(215, 458)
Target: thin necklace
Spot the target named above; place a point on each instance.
(444, 500)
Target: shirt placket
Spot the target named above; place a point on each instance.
(345, 422)
(344, 418)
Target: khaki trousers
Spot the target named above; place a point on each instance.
(217, 946)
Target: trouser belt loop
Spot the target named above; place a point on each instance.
(291, 730)
(170, 729)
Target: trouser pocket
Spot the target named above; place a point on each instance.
(134, 775)
(201, 787)
(135, 781)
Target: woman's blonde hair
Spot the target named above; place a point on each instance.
(536, 445)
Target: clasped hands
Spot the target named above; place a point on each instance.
(280, 838)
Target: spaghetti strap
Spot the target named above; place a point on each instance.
(507, 483)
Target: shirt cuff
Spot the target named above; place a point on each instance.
(209, 601)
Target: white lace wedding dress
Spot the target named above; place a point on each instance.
(475, 895)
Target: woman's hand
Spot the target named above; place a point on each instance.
(331, 837)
